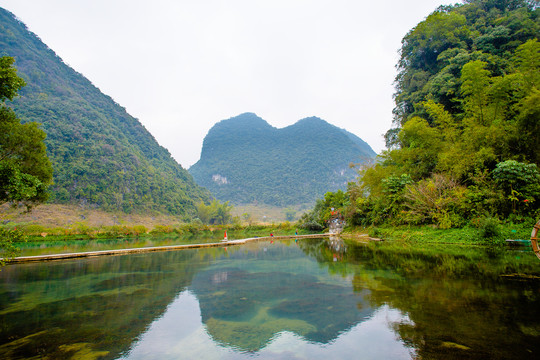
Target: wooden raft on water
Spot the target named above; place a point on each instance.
(23, 259)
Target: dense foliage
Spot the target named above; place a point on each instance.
(215, 213)
(25, 169)
(466, 146)
(434, 52)
(325, 209)
(245, 160)
(101, 155)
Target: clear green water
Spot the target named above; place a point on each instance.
(61, 247)
(311, 299)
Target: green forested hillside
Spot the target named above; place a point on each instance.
(101, 155)
(433, 54)
(466, 142)
(245, 160)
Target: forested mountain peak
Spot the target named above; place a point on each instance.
(310, 121)
(246, 160)
(101, 156)
(314, 125)
(247, 119)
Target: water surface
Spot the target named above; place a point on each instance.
(47, 247)
(311, 299)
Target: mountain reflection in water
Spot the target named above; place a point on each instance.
(316, 298)
(269, 299)
(180, 334)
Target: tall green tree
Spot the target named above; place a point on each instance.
(527, 61)
(25, 169)
(215, 213)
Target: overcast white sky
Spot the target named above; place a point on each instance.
(180, 66)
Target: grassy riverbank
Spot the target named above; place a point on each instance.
(38, 233)
(56, 223)
(52, 222)
(492, 232)
(26, 242)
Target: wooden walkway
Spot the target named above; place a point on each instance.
(24, 259)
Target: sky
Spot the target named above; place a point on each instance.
(180, 66)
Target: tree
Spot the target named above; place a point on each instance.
(290, 214)
(222, 213)
(519, 181)
(475, 82)
(25, 169)
(7, 248)
(10, 83)
(332, 203)
(528, 108)
(527, 59)
(216, 213)
(247, 218)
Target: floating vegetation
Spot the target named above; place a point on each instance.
(449, 344)
(82, 351)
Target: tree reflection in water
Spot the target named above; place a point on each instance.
(317, 298)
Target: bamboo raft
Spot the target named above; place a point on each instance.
(51, 257)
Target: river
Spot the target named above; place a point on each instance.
(304, 299)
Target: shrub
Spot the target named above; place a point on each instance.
(520, 183)
(192, 228)
(255, 227)
(312, 226)
(237, 223)
(162, 229)
(7, 238)
(489, 228)
(33, 229)
(82, 228)
(438, 200)
(374, 232)
(139, 229)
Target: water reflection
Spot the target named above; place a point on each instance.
(44, 247)
(181, 334)
(256, 300)
(296, 300)
(338, 247)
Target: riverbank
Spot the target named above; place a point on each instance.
(53, 222)
(52, 216)
(492, 233)
(39, 233)
(34, 239)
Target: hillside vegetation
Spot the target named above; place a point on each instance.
(245, 160)
(465, 148)
(102, 157)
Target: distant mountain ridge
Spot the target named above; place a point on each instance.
(246, 160)
(101, 155)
